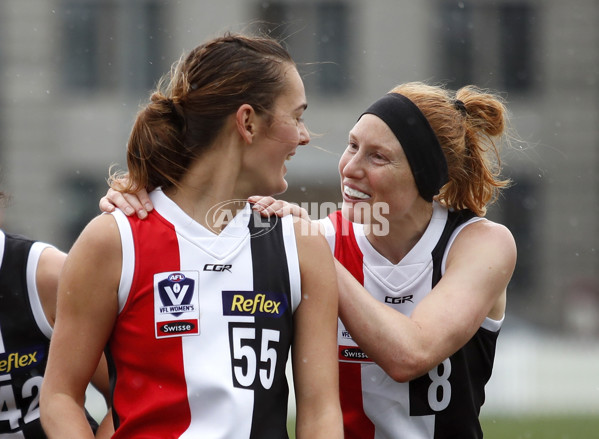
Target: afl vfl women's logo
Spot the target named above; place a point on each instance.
(176, 292)
(176, 304)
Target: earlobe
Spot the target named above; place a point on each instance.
(245, 119)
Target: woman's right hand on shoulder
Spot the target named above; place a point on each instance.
(268, 206)
(138, 202)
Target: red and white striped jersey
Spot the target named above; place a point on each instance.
(204, 328)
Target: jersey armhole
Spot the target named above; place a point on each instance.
(128, 257)
(34, 299)
(329, 232)
(452, 238)
(488, 324)
(492, 325)
(295, 279)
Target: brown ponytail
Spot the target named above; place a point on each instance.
(187, 111)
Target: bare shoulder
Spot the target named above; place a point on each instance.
(486, 237)
(97, 252)
(50, 264)
(489, 230)
(318, 275)
(310, 237)
(97, 247)
(101, 235)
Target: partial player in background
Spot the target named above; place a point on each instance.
(29, 272)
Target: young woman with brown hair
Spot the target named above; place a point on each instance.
(198, 304)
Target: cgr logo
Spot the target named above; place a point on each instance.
(398, 300)
(218, 267)
(176, 293)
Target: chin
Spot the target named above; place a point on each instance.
(276, 189)
(282, 187)
(359, 213)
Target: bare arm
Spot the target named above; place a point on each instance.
(47, 275)
(315, 367)
(86, 311)
(479, 266)
(106, 428)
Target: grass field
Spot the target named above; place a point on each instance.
(553, 427)
(548, 427)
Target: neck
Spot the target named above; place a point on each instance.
(403, 233)
(209, 188)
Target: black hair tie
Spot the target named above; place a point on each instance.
(460, 106)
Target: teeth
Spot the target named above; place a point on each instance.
(354, 193)
(288, 157)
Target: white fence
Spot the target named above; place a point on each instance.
(544, 375)
(533, 375)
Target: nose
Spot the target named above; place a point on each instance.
(304, 135)
(350, 166)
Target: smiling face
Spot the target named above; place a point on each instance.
(374, 169)
(279, 136)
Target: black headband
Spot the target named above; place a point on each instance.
(419, 143)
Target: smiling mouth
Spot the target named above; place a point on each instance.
(354, 193)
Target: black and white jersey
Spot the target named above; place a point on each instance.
(445, 402)
(24, 338)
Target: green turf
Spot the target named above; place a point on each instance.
(541, 427)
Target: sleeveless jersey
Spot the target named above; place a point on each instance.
(24, 338)
(205, 324)
(445, 402)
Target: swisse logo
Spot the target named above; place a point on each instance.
(177, 328)
(353, 353)
(254, 303)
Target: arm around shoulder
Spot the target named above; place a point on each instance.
(479, 266)
(315, 367)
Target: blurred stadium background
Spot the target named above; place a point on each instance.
(74, 72)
